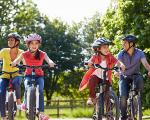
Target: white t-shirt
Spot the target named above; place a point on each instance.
(99, 72)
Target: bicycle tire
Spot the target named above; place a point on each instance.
(32, 104)
(139, 107)
(111, 106)
(11, 106)
(136, 108)
(100, 107)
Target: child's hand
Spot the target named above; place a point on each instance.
(52, 64)
(117, 74)
(90, 64)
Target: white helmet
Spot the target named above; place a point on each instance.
(33, 37)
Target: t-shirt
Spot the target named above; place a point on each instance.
(99, 72)
(5, 56)
(110, 62)
(30, 60)
(133, 62)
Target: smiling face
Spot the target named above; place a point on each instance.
(126, 44)
(34, 45)
(12, 42)
(104, 49)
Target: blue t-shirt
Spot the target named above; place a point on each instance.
(133, 62)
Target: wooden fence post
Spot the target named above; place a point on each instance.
(58, 108)
(71, 105)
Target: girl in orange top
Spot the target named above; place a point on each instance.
(94, 76)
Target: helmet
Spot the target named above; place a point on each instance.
(130, 38)
(33, 37)
(100, 41)
(14, 35)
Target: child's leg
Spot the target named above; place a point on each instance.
(93, 81)
(17, 87)
(40, 82)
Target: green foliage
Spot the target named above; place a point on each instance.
(69, 84)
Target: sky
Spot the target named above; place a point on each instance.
(71, 10)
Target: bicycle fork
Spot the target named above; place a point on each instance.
(37, 98)
(8, 93)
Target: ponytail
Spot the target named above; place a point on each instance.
(37, 55)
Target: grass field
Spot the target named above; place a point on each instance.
(67, 113)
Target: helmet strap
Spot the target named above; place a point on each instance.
(101, 53)
(130, 46)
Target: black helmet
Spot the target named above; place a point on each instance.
(100, 41)
(14, 35)
(130, 38)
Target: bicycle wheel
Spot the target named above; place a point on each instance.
(98, 110)
(136, 108)
(11, 106)
(32, 104)
(111, 106)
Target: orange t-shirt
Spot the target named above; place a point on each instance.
(31, 61)
(96, 59)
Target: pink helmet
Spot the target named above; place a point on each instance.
(33, 37)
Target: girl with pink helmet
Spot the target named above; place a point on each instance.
(34, 57)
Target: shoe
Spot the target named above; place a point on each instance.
(91, 101)
(23, 107)
(43, 117)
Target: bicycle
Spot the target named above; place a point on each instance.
(32, 93)
(134, 106)
(107, 105)
(10, 103)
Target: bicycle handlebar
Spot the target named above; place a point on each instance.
(20, 66)
(105, 69)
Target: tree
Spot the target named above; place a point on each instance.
(63, 47)
(8, 9)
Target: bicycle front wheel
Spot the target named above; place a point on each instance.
(136, 108)
(11, 106)
(32, 104)
(111, 106)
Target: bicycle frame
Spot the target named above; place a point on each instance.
(36, 87)
(104, 87)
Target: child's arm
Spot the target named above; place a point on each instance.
(49, 61)
(17, 60)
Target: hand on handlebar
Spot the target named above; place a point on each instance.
(52, 64)
(149, 73)
(122, 67)
(13, 64)
(117, 74)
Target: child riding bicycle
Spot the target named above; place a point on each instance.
(131, 57)
(7, 55)
(34, 57)
(93, 76)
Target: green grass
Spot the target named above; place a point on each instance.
(68, 113)
(64, 113)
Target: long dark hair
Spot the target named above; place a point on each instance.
(37, 55)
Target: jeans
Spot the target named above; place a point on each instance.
(3, 85)
(124, 88)
(39, 81)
